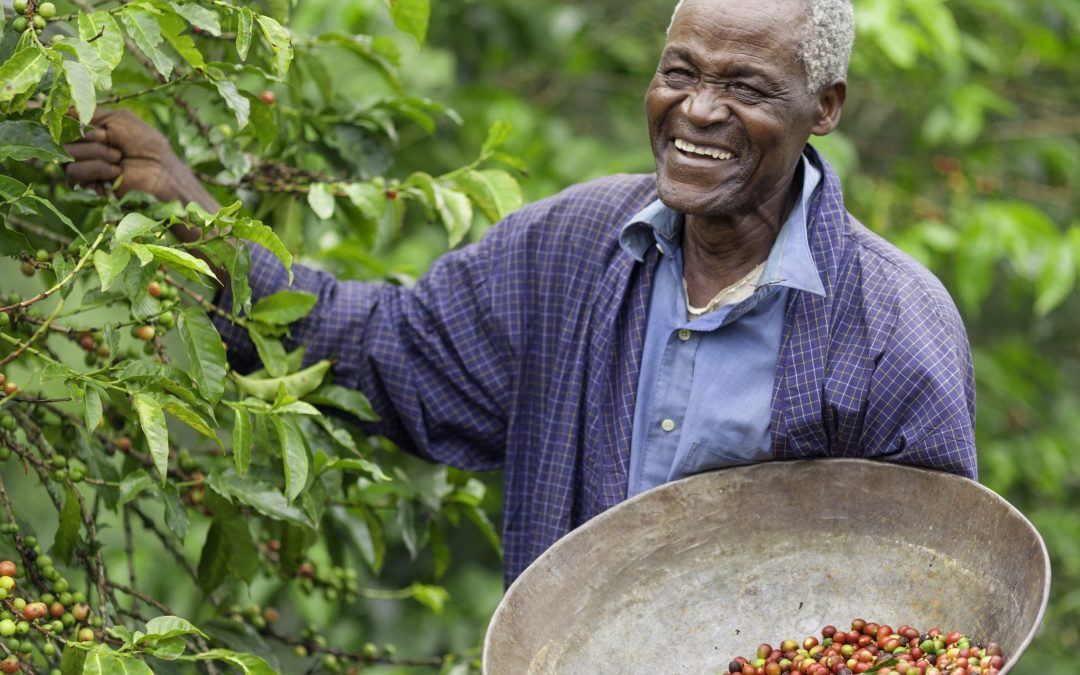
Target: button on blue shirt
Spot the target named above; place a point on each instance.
(705, 391)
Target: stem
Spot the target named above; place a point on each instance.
(129, 550)
(63, 282)
(143, 92)
(33, 338)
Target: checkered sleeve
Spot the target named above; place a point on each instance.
(429, 358)
(922, 405)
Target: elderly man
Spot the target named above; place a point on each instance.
(641, 328)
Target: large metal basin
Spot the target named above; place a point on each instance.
(686, 576)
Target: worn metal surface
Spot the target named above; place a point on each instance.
(687, 576)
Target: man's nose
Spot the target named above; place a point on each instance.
(704, 107)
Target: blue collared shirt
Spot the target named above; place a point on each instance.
(705, 393)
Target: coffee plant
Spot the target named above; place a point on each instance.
(123, 428)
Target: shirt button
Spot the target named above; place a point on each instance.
(668, 425)
(659, 248)
(684, 334)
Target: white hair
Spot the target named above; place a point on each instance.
(825, 50)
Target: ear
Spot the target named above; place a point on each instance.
(830, 101)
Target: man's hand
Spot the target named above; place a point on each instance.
(122, 145)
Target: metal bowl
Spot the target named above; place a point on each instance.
(685, 577)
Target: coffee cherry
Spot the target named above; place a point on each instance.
(268, 97)
(39, 23)
(19, 25)
(80, 612)
(10, 388)
(19, 6)
(9, 423)
(145, 332)
(86, 635)
(7, 583)
(7, 628)
(47, 10)
(10, 664)
(28, 269)
(8, 568)
(154, 289)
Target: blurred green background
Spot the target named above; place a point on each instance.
(960, 142)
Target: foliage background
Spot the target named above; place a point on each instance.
(960, 142)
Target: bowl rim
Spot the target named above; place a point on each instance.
(585, 528)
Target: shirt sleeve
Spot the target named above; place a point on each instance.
(430, 358)
(921, 409)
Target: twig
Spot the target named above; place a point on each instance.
(62, 282)
(129, 550)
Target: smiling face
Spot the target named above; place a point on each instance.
(728, 109)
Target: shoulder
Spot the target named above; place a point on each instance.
(593, 210)
(902, 302)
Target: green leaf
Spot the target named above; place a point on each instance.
(23, 139)
(133, 485)
(456, 212)
(493, 190)
(280, 43)
(321, 200)
(262, 497)
(22, 72)
(271, 353)
(67, 535)
(110, 266)
(112, 663)
(238, 103)
(169, 649)
(82, 90)
(102, 28)
(248, 664)
(206, 354)
(355, 464)
(56, 107)
(244, 21)
(135, 225)
(143, 28)
(284, 307)
(342, 398)
(191, 418)
(411, 16)
(241, 440)
(1056, 279)
(93, 411)
(497, 134)
(100, 72)
(294, 455)
(261, 234)
(229, 550)
(198, 16)
(72, 661)
(152, 421)
(165, 627)
(173, 28)
(179, 260)
(433, 597)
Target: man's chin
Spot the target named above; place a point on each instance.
(689, 201)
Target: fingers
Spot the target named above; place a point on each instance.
(94, 150)
(90, 171)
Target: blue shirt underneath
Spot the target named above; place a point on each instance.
(705, 392)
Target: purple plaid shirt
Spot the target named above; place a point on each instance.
(523, 352)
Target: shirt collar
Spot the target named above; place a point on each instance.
(789, 263)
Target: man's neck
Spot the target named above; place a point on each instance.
(717, 252)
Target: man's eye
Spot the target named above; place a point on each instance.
(679, 75)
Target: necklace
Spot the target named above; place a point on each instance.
(728, 295)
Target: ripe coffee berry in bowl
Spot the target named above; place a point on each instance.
(903, 651)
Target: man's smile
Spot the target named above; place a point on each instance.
(688, 148)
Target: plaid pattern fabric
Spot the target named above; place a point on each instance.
(523, 351)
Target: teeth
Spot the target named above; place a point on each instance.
(715, 153)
